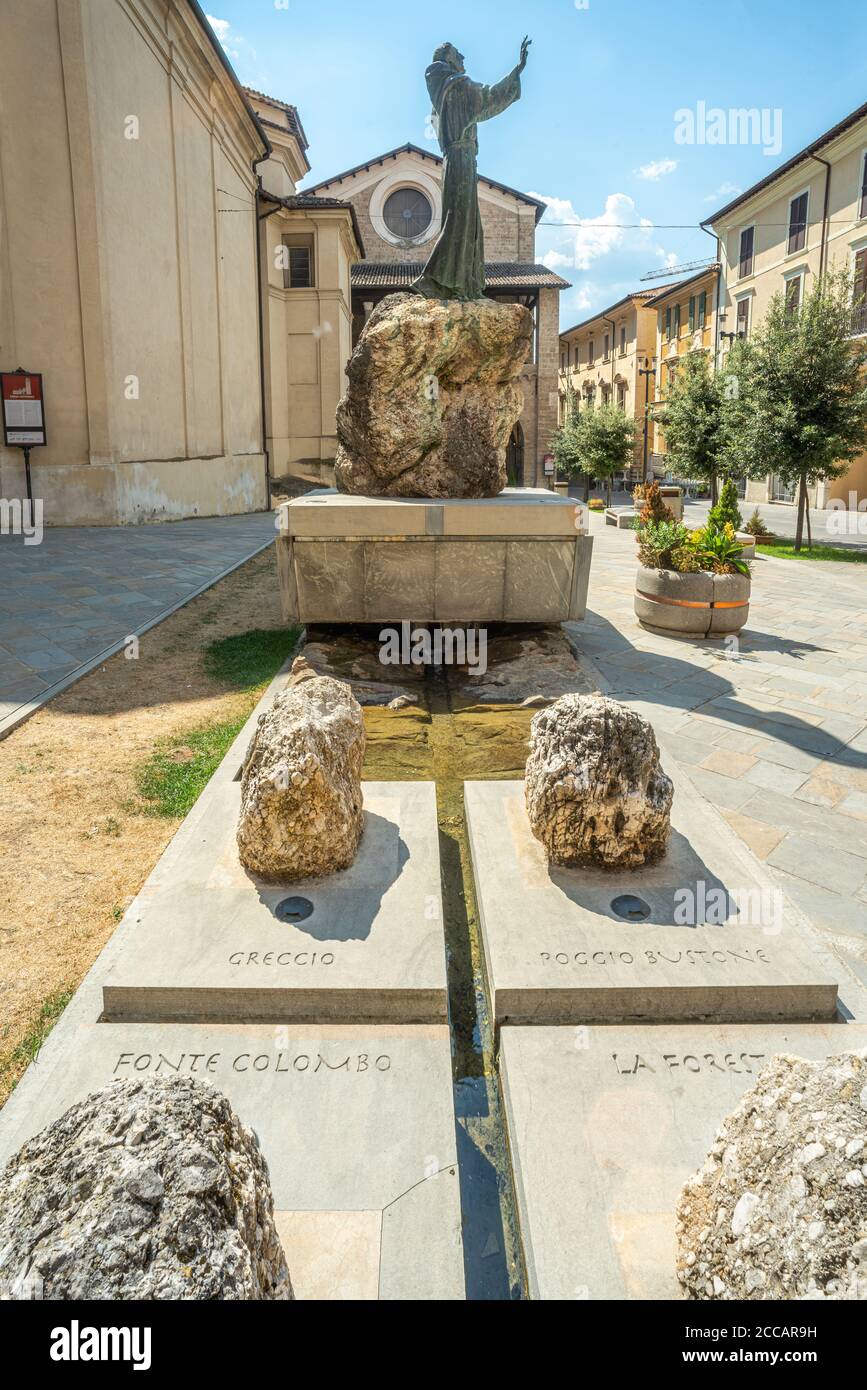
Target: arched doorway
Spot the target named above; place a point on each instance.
(515, 457)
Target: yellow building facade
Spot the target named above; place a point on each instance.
(807, 216)
(607, 359)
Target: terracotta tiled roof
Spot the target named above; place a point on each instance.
(663, 290)
(293, 120)
(309, 202)
(627, 298)
(499, 275)
(541, 208)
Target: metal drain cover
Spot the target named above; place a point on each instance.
(293, 910)
(631, 909)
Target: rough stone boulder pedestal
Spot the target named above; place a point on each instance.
(301, 804)
(594, 788)
(779, 1208)
(148, 1189)
(433, 397)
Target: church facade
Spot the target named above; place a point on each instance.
(397, 200)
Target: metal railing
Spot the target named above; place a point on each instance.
(859, 319)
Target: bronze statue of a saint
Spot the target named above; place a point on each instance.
(456, 268)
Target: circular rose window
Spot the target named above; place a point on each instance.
(407, 213)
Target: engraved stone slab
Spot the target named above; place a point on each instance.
(605, 1126)
(209, 942)
(356, 1124)
(717, 941)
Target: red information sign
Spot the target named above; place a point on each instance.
(23, 409)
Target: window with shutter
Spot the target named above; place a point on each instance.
(591, 353)
(702, 309)
(746, 256)
(668, 324)
(623, 341)
(605, 348)
(677, 320)
(743, 317)
(298, 262)
(692, 313)
(862, 206)
(798, 223)
(793, 294)
(859, 324)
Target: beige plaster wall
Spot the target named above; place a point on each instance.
(124, 280)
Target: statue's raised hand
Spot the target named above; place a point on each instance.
(525, 52)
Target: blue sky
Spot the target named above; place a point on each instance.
(596, 131)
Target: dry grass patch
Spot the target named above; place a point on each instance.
(83, 837)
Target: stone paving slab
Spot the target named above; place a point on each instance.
(605, 1127)
(808, 624)
(207, 941)
(356, 1124)
(556, 950)
(71, 601)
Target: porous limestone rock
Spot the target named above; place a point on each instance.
(779, 1208)
(148, 1189)
(594, 788)
(432, 399)
(301, 804)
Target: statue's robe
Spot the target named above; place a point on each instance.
(456, 268)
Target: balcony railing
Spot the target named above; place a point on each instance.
(859, 319)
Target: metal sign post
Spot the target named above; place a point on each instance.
(23, 416)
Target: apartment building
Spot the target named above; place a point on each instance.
(607, 359)
(807, 216)
(685, 323)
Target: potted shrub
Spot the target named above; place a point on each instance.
(727, 513)
(691, 583)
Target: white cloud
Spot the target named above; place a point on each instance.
(220, 27)
(232, 43)
(656, 169)
(583, 297)
(555, 260)
(587, 239)
(725, 190)
(667, 258)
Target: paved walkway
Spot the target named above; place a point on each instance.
(829, 527)
(68, 603)
(775, 736)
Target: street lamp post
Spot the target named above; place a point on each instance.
(647, 372)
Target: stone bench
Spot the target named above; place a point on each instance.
(621, 517)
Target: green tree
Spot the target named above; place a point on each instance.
(564, 444)
(693, 415)
(802, 407)
(597, 442)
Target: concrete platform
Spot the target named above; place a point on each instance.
(357, 1126)
(522, 557)
(208, 942)
(556, 950)
(605, 1126)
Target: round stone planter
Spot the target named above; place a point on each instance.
(691, 605)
